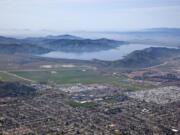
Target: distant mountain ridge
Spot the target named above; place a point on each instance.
(69, 43)
(7, 40)
(84, 45)
(22, 48)
(164, 29)
(65, 43)
(51, 37)
(64, 37)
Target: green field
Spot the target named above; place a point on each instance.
(129, 86)
(8, 78)
(64, 77)
(76, 104)
(76, 76)
(110, 101)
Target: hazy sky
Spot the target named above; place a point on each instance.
(94, 15)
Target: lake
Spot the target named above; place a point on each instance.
(111, 54)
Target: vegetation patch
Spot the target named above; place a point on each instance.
(8, 78)
(110, 101)
(117, 132)
(58, 91)
(130, 86)
(1, 115)
(76, 104)
(31, 96)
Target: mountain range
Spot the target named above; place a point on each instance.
(22, 48)
(83, 45)
(65, 43)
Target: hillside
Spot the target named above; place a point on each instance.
(14, 89)
(58, 37)
(22, 48)
(146, 58)
(66, 43)
(85, 45)
(7, 40)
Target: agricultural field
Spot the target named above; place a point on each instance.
(64, 76)
(77, 76)
(9, 78)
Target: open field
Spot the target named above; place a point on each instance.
(110, 101)
(77, 76)
(76, 104)
(64, 77)
(129, 86)
(7, 77)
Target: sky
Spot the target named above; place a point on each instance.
(88, 15)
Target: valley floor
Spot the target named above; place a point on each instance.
(83, 98)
